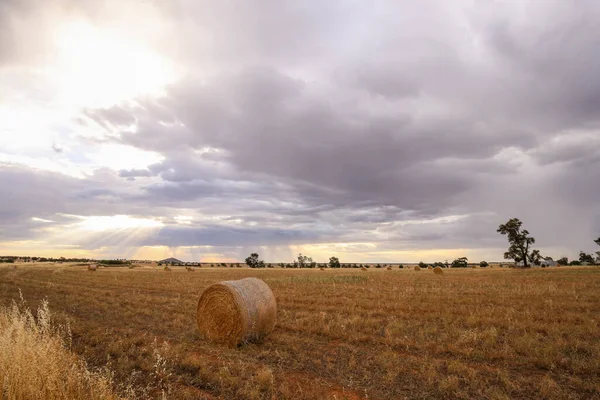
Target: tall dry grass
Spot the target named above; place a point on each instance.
(35, 362)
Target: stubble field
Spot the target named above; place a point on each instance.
(474, 333)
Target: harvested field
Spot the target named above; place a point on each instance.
(473, 333)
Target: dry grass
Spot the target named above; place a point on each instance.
(35, 363)
(501, 333)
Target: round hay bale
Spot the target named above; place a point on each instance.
(438, 271)
(429, 267)
(389, 268)
(92, 267)
(417, 268)
(166, 268)
(363, 269)
(237, 312)
(322, 269)
(131, 266)
(190, 269)
(474, 266)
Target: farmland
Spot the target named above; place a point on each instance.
(494, 333)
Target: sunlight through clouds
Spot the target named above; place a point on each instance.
(97, 68)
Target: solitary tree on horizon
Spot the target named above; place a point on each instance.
(519, 241)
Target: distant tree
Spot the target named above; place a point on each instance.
(483, 264)
(400, 266)
(378, 266)
(439, 264)
(422, 264)
(461, 262)
(254, 262)
(563, 261)
(519, 241)
(575, 262)
(587, 258)
(334, 262)
(304, 262)
(535, 257)
(597, 241)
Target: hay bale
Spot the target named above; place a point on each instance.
(438, 271)
(363, 269)
(322, 269)
(417, 268)
(190, 269)
(429, 267)
(236, 312)
(131, 266)
(474, 266)
(389, 268)
(167, 268)
(92, 267)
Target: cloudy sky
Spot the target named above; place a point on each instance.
(378, 131)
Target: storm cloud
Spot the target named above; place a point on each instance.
(407, 127)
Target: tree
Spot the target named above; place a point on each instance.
(587, 258)
(334, 262)
(254, 262)
(460, 262)
(519, 241)
(563, 261)
(483, 264)
(535, 257)
(597, 241)
(305, 262)
(422, 264)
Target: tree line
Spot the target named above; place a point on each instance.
(520, 251)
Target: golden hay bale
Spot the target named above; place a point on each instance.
(190, 269)
(363, 269)
(389, 268)
(438, 270)
(236, 312)
(429, 267)
(474, 266)
(417, 268)
(131, 266)
(166, 268)
(92, 267)
(322, 269)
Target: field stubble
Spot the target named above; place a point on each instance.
(474, 333)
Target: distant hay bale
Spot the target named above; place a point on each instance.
(237, 312)
(474, 266)
(417, 268)
(389, 268)
(322, 269)
(438, 271)
(131, 266)
(167, 268)
(363, 269)
(190, 269)
(92, 267)
(429, 267)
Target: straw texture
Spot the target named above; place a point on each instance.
(438, 270)
(237, 312)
